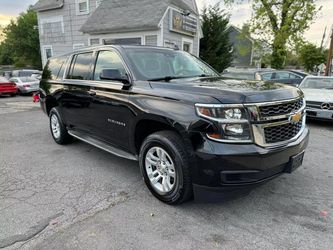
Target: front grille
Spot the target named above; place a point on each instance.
(317, 105)
(283, 132)
(281, 109)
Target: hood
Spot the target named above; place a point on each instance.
(318, 95)
(232, 91)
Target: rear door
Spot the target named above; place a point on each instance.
(76, 99)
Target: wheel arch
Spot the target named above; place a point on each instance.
(149, 125)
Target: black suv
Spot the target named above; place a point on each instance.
(193, 132)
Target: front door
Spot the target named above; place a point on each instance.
(110, 112)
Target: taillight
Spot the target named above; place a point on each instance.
(26, 85)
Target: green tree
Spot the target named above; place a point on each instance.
(215, 47)
(311, 56)
(22, 40)
(281, 22)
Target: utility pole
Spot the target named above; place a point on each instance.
(329, 57)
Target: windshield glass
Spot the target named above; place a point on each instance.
(317, 83)
(28, 79)
(150, 64)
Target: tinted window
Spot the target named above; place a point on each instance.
(293, 76)
(282, 75)
(53, 68)
(111, 61)
(158, 63)
(80, 69)
(266, 77)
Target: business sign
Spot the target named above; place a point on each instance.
(183, 24)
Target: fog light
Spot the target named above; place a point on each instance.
(234, 129)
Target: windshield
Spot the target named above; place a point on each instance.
(152, 64)
(317, 83)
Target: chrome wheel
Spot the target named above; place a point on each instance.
(55, 126)
(160, 170)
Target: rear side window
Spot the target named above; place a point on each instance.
(80, 69)
(54, 67)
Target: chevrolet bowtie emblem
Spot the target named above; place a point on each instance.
(295, 118)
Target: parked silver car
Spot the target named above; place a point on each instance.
(318, 92)
(26, 84)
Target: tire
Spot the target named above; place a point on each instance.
(171, 185)
(58, 128)
(12, 95)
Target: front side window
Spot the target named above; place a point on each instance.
(109, 61)
(80, 69)
(151, 64)
(266, 77)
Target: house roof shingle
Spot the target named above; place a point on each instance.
(141, 15)
(43, 5)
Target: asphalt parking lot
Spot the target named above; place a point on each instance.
(79, 197)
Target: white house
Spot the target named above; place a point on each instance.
(65, 25)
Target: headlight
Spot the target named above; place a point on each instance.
(232, 122)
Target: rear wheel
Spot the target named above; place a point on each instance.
(164, 164)
(58, 128)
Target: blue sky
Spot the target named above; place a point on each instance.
(242, 12)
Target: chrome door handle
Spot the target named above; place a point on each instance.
(92, 93)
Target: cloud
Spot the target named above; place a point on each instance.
(5, 19)
(241, 13)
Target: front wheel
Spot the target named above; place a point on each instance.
(164, 164)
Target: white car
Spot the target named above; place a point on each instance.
(318, 91)
(26, 84)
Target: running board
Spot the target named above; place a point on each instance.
(102, 145)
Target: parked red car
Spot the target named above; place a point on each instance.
(7, 87)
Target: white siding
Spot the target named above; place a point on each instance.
(60, 28)
(170, 37)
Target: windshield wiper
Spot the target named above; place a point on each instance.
(166, 78)
(169, 78)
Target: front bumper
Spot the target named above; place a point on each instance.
(320, 114)
(224, 171)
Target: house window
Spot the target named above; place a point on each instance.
(78, 45)
(47, 52)
(151, 40)
(170, 44)
(82, 7)
(94, 41)
(98, 2)
(123, 41)
(187, 45)
(52, 30)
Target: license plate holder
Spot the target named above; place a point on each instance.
(324, 114)
(295, 162)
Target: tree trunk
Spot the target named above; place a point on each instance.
(279, 52)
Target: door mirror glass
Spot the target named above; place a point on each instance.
(109, 66)
(113, 75)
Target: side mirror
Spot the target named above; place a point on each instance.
(113, 75)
